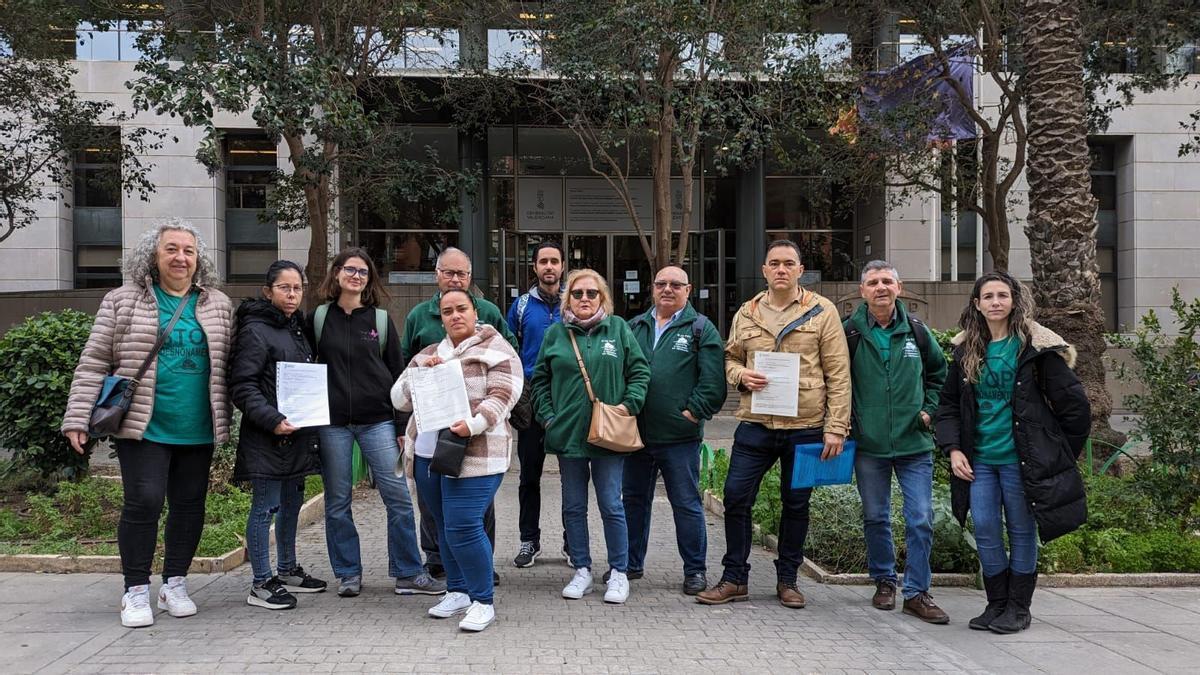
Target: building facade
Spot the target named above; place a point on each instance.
(536, 185)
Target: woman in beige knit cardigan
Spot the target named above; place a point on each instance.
(181, 407)
(494, 378)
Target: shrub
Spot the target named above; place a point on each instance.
(37, 361)
(1169, 370)
(225, 456)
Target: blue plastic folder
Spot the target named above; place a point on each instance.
(809, 471)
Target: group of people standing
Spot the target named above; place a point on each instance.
(1007, 410)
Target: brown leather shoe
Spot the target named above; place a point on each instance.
(789, 595)
(723, 592)
(924, 608)
(885, 596)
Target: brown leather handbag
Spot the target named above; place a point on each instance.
(611, 428)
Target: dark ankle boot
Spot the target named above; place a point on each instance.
(1016, 616)
(997, 596)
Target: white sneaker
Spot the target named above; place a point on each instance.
(580, 585)
(480, 616)
(173, 597)
(135, 607)
(618, 588)
(452, 603)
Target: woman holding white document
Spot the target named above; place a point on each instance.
(458, 467)
(273, 454)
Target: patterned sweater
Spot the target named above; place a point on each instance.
(125, 330)
(494, 379)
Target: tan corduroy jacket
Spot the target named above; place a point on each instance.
(125, 331)
(824, 400)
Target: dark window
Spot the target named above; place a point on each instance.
(251, 239)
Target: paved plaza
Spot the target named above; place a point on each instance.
(69, 623)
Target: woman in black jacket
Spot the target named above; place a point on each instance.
(1013, 418)
(358, 342)
(273, 455)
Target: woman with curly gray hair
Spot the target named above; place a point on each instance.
(179, 410)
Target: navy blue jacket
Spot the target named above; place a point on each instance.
(531, 325)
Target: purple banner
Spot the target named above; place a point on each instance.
(922, 82)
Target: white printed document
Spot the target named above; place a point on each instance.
(781, 396)
(439, 396)
(302, 390)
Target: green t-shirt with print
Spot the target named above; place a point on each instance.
(182, 412)
(883, 339)
(993, 396)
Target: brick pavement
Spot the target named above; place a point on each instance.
(69, 623)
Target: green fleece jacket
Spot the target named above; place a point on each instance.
(683, 376)
(618, 371)
(423, 325)
(888, 398)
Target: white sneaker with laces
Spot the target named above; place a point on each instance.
(173, 597)
(452, 603)
(580, 585)
(480, 616)
(618, 588)
(135, 607)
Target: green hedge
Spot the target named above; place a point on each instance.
(1126, 531)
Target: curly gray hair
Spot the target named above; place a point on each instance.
(142, 259)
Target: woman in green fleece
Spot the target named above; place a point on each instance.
(619, 375)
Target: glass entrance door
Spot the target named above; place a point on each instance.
(631, 277)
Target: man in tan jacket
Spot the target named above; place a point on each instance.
(787, 319)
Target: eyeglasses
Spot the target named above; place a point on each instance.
(454, 274)
(289, 290)
(591, 293)
(675, 285)
(357, 271)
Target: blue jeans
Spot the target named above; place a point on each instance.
(606, 475)
(379, 450)
(457, 506)
(994, 486)
(874, 478)
(278, 500)
(680, 466)
(755, 450)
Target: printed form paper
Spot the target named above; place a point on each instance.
(439, 396)
(303, 393)
(781, 396)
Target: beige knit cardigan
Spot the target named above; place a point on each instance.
(125, 330)
(494, 378)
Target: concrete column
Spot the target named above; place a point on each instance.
(751, 234)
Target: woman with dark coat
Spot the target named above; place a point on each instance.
(1013, 418)
(273, 455)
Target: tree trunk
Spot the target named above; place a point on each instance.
(1061, 226)
(661, 170)
(318, 248)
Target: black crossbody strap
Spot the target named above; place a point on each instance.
(162, 338)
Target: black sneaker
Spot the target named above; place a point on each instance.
(631, 574)
(271, 595)
(528, 553)
(298, 581)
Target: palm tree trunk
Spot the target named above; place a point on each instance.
(1062, 211)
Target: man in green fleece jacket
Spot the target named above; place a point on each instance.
(423, 327)
(687, 387)
(896, 376)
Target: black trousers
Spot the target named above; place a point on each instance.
(529, 494)
(152, 473)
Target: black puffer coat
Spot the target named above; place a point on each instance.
(265, 336)
(1051, 423)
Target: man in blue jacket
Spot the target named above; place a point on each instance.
(687, 387)
(530, 316)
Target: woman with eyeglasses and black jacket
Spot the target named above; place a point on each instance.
(359, 344)
(273, 454)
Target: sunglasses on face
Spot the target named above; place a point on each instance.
(675, 285)
(591, 293)
(356, 272)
